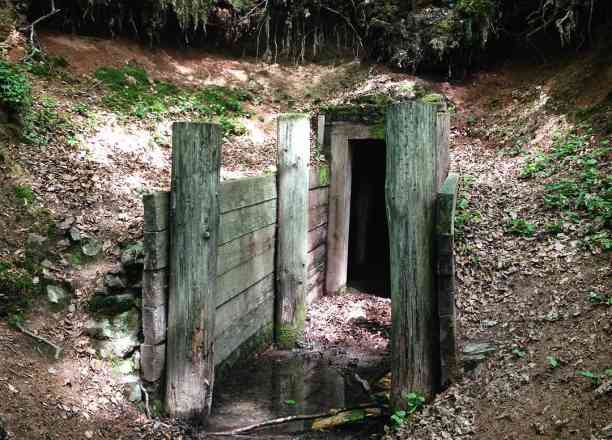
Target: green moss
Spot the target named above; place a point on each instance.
(133, 93)
(377, 131)
(16, 289)
(286, 337)
(15, 88)
(324, 176)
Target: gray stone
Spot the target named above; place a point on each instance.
(135, 393)
(37, 247)
(112, 304)
(126, 324)
(474, 354)
(74, 234)
(91, 247)
(133, 256)
(114, 282)
(56, 295)
(65, 224)
(479, 348)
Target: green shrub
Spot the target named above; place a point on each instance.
(15, 88)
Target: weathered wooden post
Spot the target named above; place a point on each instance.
(193, 270)
(291, 271)
(411, 186)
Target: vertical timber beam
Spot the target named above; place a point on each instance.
(193, 270)
(339, 212)
(411, 186)
(291, 270)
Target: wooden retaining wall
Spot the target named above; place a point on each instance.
(245, 266)
(317, 232)
(245, 263)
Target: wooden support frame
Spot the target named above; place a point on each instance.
(416, 157)
(292, 239)
(341, 135)
(194, 212)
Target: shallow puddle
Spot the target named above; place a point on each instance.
(281, 383)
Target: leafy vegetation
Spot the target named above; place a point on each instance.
(414, 402)
(580, 184)
(133, 93)
(44, 122)
(521, 227)
(15, 88)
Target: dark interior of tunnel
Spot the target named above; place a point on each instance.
(368, 259)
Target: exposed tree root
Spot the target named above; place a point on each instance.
(57, 350)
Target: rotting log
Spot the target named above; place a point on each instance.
(194, 235)
(411, 186)
(292, 240)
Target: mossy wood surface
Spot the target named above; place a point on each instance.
(411, 187)
(293, 198)
(193, 270)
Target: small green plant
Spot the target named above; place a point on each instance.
(25, 194)
(41, 64)
(595, 379)
(414, 402)
(554, 228)
(518, 352)
(553, 362)
(15, 88)
(81, 109)
(520, 227)
(597, 298)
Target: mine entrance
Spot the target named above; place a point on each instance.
(368, 253)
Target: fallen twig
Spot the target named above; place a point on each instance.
(39, 19)
(57, 349)
(146, 395)
(296, 418)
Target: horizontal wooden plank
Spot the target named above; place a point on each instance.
(156, 250)
(318, 177)
(154, 324)
(318, 197)
(237, 223)
(156, 211)
(316, 278)
(154, 287)
(232, 311)
(315, 293)
(244, 276)
(317, 237)
(239, 332)
(239, 251)
(248, 191)
(316, 256)
(315, 269)
(152, 361)
(317, 216)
